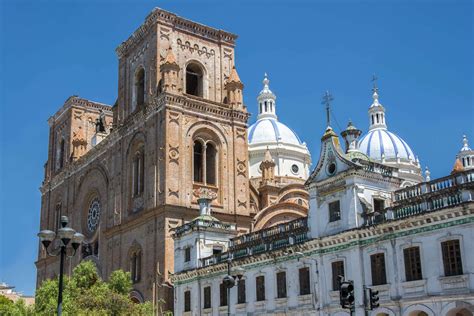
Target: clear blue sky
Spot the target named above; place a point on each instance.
(421, 51)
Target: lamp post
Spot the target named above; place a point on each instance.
(65, 235)
(229, 281)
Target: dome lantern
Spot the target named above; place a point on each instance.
(376, 112)
(266, 101)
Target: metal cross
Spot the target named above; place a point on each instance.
(327, 98)
(374, 80)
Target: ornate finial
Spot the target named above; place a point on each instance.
(465, 143)
(265, 81)
(205, 196)
(427, 174)
(268, 155)
(375, 90)
(234, 76)
(170, 58)
(327, 98)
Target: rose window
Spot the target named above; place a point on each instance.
(93, 215)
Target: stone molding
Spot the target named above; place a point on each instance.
(176, 22)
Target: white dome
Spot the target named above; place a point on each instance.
(269, 130)
(381, 144)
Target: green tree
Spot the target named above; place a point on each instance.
(85, 293)
(18, 308)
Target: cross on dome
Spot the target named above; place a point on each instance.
(266, 101)
(376, 110)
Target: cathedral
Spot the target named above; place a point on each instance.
(171, 184)
(128, 174)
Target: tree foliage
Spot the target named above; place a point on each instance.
(8, 307)
(85, 293)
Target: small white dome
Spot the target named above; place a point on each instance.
(269, 130)
(379, 143)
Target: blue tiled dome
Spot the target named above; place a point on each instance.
(269, 130)
(380, 142)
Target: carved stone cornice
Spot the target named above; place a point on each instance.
(176, 22)
(204, 106)
(78, 101)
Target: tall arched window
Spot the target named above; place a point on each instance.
(211, 155)
(198, 161)
(136, 264)
(194, 80)
(138, 181)
(140, 87)
(205, 162)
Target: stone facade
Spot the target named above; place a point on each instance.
(161, 122)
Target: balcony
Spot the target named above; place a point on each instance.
(200, 223)
(264, 240)
(425, 197)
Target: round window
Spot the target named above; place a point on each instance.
(295, 169)
(331, 168)
(93, 215)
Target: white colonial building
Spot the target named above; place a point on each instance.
(410, 243)
(290, 154)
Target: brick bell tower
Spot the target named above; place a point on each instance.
(179, 88)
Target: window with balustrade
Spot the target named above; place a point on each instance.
(452, 261)
(205, 162)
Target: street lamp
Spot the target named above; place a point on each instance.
(66, 235)
(229, 281)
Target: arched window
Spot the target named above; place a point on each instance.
(205, 162)
(194, 78)
(138, 181)
(266, 106)
(136, 264)
(211, 155)
(140, 87)
(198, 161)
(260, 107)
